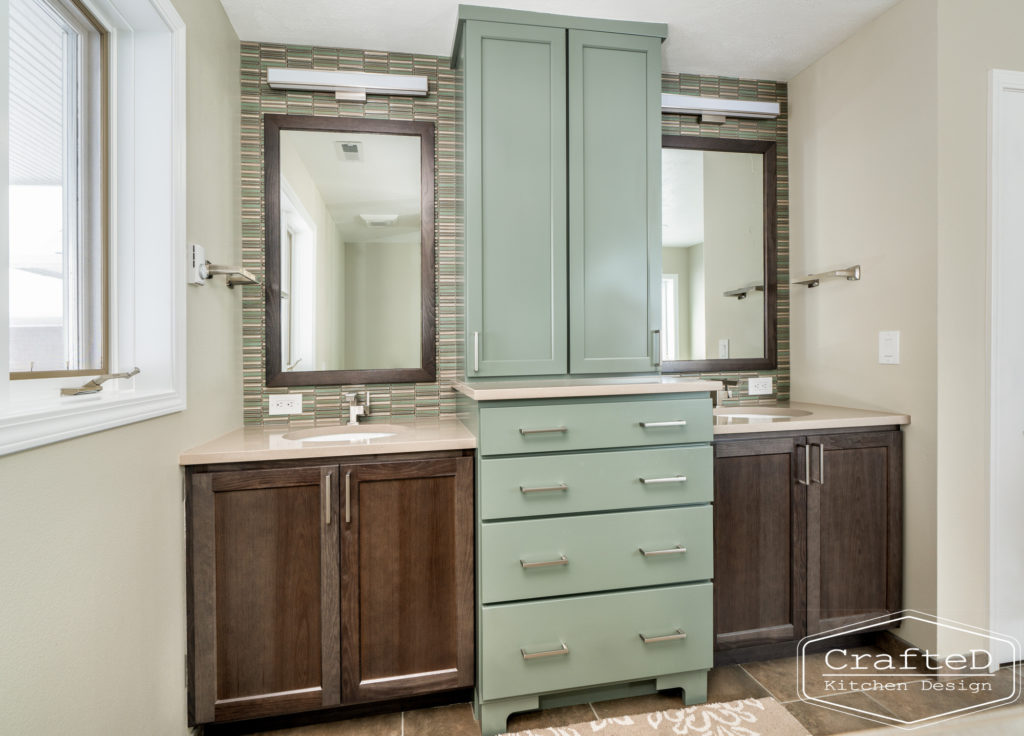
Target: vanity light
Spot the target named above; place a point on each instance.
(716, 109)
(348, 86)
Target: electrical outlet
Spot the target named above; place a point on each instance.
(723, 348)
(286, 404)
(889, 347)
(759, 386)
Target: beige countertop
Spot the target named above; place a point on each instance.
(559, 388)
(811, 417)
(256, 444)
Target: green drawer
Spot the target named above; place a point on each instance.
(594, 552)
(602, 636)
(593, 481)
(585, 424)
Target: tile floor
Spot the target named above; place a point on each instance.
(776, 678)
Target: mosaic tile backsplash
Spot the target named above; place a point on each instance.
(440, 106)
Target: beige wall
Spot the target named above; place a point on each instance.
(863, 163)
(677, 261)
(974, 37)
(382, 305)
(92, 560)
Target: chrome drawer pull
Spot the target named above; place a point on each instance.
(677, 550)
(540, 489)
(670, 479)
(563, 560)
(680, 634)
(549, 430)
(675, 423)
(550, 653)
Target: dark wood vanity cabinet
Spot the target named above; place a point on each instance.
(808, 536)
(323, 584)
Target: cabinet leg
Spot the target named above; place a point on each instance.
(694, 685)
(494, 715)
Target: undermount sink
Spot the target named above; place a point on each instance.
(760, 413)
(345, 433)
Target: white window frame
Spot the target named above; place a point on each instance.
(146, 269)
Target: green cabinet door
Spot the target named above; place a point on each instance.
(515, 191)
(615, 202)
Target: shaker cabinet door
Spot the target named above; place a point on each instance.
(407, 578)
(615, 202)
(263, 551)
(515, 200)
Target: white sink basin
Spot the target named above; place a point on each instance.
(760, 413)
(345, 433)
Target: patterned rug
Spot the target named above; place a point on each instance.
(761, 717)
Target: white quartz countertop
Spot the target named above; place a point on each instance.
(811, 417)
(564, 388)
(408, 434)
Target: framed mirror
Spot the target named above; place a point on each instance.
(719, 275)
(349, 250)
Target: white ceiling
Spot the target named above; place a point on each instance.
(754, 39)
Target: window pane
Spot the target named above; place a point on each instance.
(54, 310)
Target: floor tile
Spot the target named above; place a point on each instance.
(779, 676)
(448, 720)
(639, 704)
(389, 724)
(822, 721)
(551, 718)
(732, 682)
(921, 700)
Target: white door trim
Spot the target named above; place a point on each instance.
(1006, 352)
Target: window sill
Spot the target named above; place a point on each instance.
(81, 415)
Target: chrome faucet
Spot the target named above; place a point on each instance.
(355, 410)
(728, 383)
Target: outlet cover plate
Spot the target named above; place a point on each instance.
(285, 404)
(759, 386)
(889, 347)
(723, 348)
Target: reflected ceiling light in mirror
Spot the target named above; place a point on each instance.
(716, 109)
(347, 86)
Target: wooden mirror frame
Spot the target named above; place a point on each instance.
(272, 127)
(771, 285)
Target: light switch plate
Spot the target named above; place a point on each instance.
(759, 386)
(723, 348)
(889, 347)
(286, 404)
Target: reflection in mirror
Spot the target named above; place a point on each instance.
(714, 254)
(352, 235)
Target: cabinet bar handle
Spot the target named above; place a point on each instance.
(550, 653)
(680, 634)
(548, 430)
(677, 550)
(821, 463)
(673, 423)
(348, 497)
(657, 347)
(476, 352)
(807, 466)
(670, 479)
(540, 489)
(327, 497)
(563, 560)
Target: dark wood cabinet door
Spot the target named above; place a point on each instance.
(855, 527)
(760, 529)
(407, 578)
(263, 568)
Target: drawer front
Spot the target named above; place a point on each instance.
(592, 553)
(602, 636)
(514, 487)
(560, 426)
